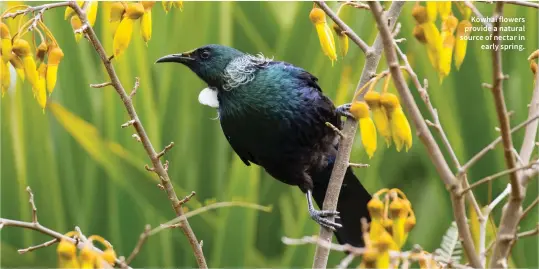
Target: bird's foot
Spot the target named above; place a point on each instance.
(320, 216)
(344, 110)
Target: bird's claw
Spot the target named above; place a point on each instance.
(320, 216)
(344, 110)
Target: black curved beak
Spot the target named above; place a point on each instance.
(176, 58)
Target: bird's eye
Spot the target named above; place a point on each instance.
(205, 55)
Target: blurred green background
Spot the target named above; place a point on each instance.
(85, 170)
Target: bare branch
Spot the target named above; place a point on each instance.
(477, 13)
(529, 233)
(128, 123)
(44, 245)
(372, 59)
(165, 150)
(141, 132)
(135, 88)
(346, 29)
(142, 239)
(32, 204)
(521, 3)
(346, 261)
(335, 129)
(187, 198)
(424, 134)
(101, 85)
(529, 208)
(530, 135)
(34, 9)
(178, 221)
(497, 175)
(358, 165)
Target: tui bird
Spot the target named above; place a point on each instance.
(273, 114)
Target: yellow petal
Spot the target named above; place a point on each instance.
(463, 9)
(134, 10)
(5, 76)
(432, 10)
(92, 12)
(67, 255)
(52, 71)
(6, 49)
(146, 26)
(400, 129)
(117, 10)
(19, 67)
(76, 24)
(122, 36)
(343, 42)
(379, 115)
(368, 135)
(434, 43)
(40, 87)
(30, 69)
(327, 42)
(463, 31)
(444, 8)
(448, 43)
(88, 257)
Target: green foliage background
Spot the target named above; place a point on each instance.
(96, 180)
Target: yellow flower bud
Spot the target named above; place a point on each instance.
(5, 43)
(375, 207)
(420, 14)
(450, 24)
(146, 26)
(21, 47)
(41, 51)
(17, 63)
(92, 12)
(122, 37)
(432, 10)
(5, 77)
(379, 115)
(461, 42)
(67, 255)
(117, 10)
(419, 34)
(444, 8)
(134, 10)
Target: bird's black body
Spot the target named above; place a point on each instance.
(273, 114)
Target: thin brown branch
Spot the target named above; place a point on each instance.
(34, 9)
(497, 175)
(32, 204)
(521, 3)
(187, 198)
(178, 221)
(492, 145)
(530, 135)
(528, 209)
(101, 85)
(477, 13)
(529, 233)
(424, 134)
(372, 59)
(513, 209)
(128, 123)
(346, 261)
(142, 239)
(358, 165)
(152, 154)
(335, 129)
(346, 29)
(165, 150)
(44, 245)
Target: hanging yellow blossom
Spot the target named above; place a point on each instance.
(463, 31)
(444, 8)
(17, 64)
(448, 43)
(400, 128)
(41, 51)
(343, 38)
(88, 257)
(122, 37)
(146, 21)
(92, 12)
(318, 18)
(360, 110)
(67, 253)
(5, 76)
(379, 115)
(167, 5)
(5, 42)
(55, 56)
(432, 10)
(22, 49)
(76, 24)
(40, 87)
(69, 12)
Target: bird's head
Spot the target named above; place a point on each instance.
(208, 62)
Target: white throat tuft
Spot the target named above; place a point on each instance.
(208, 97)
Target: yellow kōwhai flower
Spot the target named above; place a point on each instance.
(167, 5)
(376, 211)
(122, 37)
(40, 87)
(146, 26)
(383, 245)
(343, 40)
(5, 42)
(76, 24)
(134, 10)
(444, 8)
(88, 257)
(400, 128)
(67, 253)
(398, 210)
(69, 12)
(41, 51)
(327, 42)
(434, 43)
(22, 49)
(92, 12)
(446, 54)
(17, 63)
(379, 115)
(461, 41)
(117, 10)
(178, 4)
(55, 56)
(360, 110)
(432, 10)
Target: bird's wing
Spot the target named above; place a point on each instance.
(244, 156)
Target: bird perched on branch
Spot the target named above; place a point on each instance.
(274, 114)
